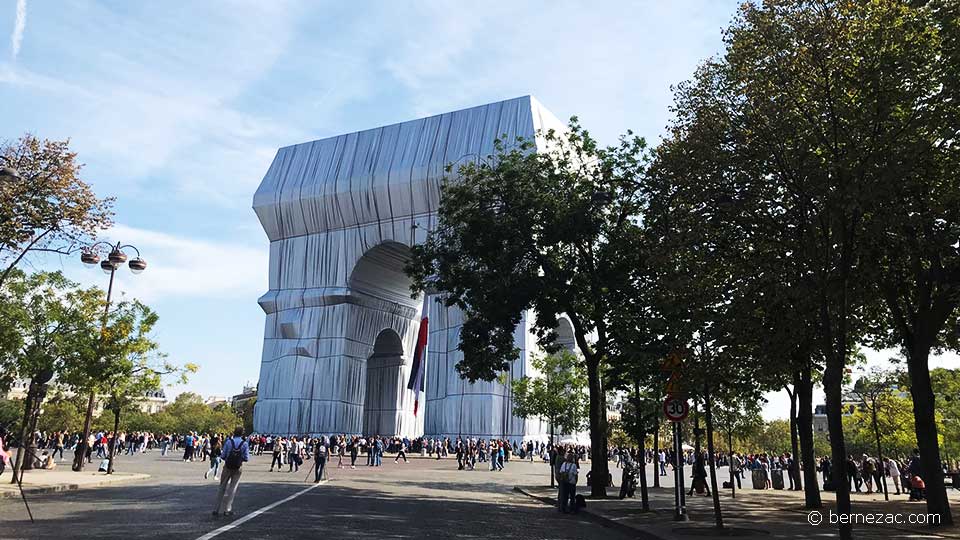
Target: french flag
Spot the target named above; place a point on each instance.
(419, 359)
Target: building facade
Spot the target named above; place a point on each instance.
(341, 215)
(153, 401)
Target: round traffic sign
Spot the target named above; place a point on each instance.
(676, 409)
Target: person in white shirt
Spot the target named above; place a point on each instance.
(568, 484)
(894, 471)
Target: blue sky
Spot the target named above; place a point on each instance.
(178, 108)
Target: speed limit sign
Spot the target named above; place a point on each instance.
(675, 408)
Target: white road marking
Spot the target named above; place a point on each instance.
(248, 517)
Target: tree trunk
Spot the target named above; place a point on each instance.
(880, 465)
(926, 427)
(644, 494)
(641, 445)
(80, 459)
(804, 390)
(832, 381)
(25, 427)
(733, 486)
(656, 450)
(794, 471)
(718, 515)
(598, 430)
(116, 437)
(553, 448)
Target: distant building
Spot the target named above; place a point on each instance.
(850, 403)
(213, 401)
(153, 401)
(249, 393)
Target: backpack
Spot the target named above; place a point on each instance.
(235, 458)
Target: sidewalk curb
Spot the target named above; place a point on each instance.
(602, 520)
(15, 493)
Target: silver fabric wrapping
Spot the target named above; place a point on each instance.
(341, 325)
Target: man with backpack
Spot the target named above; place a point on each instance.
(236, 451)
(319, 458)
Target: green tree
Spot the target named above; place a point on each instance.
(61, 413)
(47, 313)
(946, 388)
(245, 412)
(557, 394)
(134, 364)
(894, 424)
(914, 219)
(11, 414)
(552, 232)
(805, 126)
(49, 209)
(773, 437)
(878, 399)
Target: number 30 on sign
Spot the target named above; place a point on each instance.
(676, 409)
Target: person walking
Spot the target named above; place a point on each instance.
(293, 455)
(401, 452)
(867, 468)
(893, 470)
(853, 473)
(237, 451)
(319, 458)
(567, 480)
(377, 451)
(4, 454)
(354, 451)
(58, 444)
(216, 449)
(276, 452)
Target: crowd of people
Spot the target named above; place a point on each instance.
(226, 455)
(903, 475)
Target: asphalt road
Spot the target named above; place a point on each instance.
(421, 499)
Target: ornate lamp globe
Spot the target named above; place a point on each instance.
(89, 258)
(107, 266)
(137, 265)
(117, 257)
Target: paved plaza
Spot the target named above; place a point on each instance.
(421, 499)
(424, 498)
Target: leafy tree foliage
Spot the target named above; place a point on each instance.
(795, 149)
(946, 388)
(557, 395)
(11, 414)
(61, 413)
(551, 231)
(49, 209)
(895, 424)
(44, 317)
(132, 363)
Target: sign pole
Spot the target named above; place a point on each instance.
(676, 408)
(676, 476)
(681, 510)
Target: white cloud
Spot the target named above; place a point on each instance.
(170, 107)
(190, 268)
(16, 38)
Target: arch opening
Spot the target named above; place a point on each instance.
(379, 274)
(565, 335)
(384, 384)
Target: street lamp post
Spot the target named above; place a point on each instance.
(115, 258)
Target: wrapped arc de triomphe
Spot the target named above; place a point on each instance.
(341, 214)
